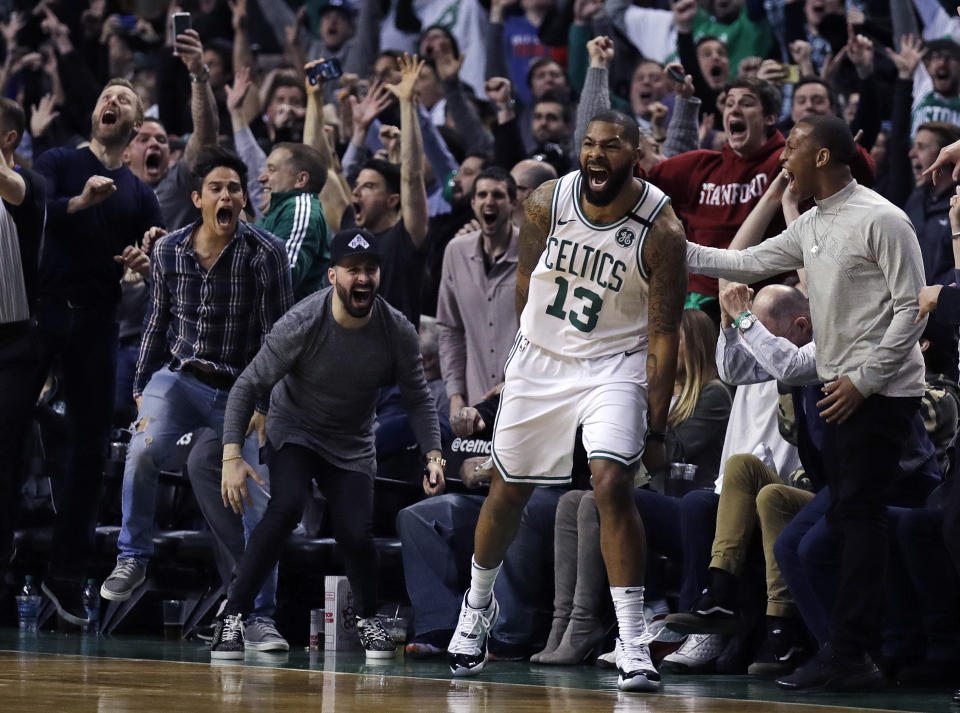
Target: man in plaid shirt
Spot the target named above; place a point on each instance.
(218, 286)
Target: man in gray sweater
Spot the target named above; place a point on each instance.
(864, 270)
(327, 358)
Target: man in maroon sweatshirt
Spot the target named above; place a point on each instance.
(714, 191)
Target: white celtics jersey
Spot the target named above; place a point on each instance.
(588, 292)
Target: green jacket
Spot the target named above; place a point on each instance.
(296, 217)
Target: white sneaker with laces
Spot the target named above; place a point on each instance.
(698, 652)
(636, 669)
(468, 646)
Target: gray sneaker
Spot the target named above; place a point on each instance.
(125, 577)
(260, 634)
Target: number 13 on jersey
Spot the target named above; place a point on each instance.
(590, 307)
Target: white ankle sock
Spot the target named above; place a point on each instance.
(481, 585)
(628, 603)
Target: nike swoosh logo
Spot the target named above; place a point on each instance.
(632, 591)
(564, 222)
(631, 352)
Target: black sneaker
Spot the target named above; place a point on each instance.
(707, 616)
(227, 638)
(67, 596)
(781, 652)
(374, 638)
(828, 671)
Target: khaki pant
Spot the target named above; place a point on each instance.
(752, 495)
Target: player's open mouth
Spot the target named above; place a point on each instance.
(224, 217)
(490, 217)
(645, 96)
(361, 296)
(153, 162)
(716, 72)
(597, 177)
(737, 128)
(108, 117)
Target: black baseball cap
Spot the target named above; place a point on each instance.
(353, 241)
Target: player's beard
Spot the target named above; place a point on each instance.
(615, 183)
(355, 310)
(119, 134)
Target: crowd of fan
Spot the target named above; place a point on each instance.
(428, 131)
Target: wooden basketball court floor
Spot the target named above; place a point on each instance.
(71, 674)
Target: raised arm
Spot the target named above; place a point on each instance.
(203, 106)
(243, 56)
(462, 112)
(533, 239)
(683, 133)
(751, 230)
(663, 252)
(413, 190)
(596, 88)
(243, 140)
(334, 196)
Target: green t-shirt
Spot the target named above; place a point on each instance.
(743, 37)
(934, 107)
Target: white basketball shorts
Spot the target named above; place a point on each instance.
(545, 398)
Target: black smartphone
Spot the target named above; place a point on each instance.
(181, 23)
(676, 75)
(325, 70)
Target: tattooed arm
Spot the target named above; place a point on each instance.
(533, 239)
(665, 256)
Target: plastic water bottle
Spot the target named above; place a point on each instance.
(28, 605)
(91, 604)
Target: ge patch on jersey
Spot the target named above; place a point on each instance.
(625, 237)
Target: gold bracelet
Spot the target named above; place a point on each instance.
(232, 458)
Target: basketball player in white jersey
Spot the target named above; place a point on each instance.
(600, 288)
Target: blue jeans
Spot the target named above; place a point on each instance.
(437, 539)
(174, 403)
(231, 531)
(808, 538)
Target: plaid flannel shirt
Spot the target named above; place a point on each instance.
(217, 317)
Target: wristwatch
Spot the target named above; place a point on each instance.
(201, 76)
(745, 321)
